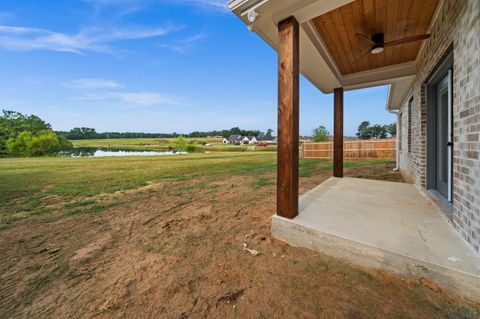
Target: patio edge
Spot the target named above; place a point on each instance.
(450, 280)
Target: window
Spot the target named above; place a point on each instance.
(409, 129)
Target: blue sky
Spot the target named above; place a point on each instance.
(152, 66)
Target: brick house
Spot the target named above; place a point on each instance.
(428, 53)
(454, 45)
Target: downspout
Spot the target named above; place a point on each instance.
(397, 160)
(397, 141)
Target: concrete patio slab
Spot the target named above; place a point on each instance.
(384, 225)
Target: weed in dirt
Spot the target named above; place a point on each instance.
(201, 185)
(4, 226)
(179, 190)
(262, 181)
(226, 248)
(462, 312)
(73, 212)
(192, 239)
(366, 277)
(74, 204)
(176, 177)
(320, 266)
(316, 309)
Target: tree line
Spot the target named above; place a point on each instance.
(365, 131)
(28, 136)
(81, 133)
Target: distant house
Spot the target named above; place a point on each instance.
(239, 139)
(235, 139)
(252, 139)
(267, 139)
(232, 139)
(305, 139)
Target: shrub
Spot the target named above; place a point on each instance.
(180, 144)
(19, 144)
(47, 142)
(191, 148)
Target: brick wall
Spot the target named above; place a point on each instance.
(457, 23)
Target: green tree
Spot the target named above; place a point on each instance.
(269, 132)
(12, 123)
(378, 131)
(363, 131)
(180, 144)
(235, 131)
(366, 131)
(19, 145)
(391, 129)
(28, 135)
(320, 134)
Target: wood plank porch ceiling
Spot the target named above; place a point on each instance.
(397, 19)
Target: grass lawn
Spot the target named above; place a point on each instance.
(163, 237)
(34, 186)
(165, 143)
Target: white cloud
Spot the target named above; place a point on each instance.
(186, 44)
(218, 5)
(88, 39)
(126, 7)
(208, 4)
(143, 98)
(92, 84)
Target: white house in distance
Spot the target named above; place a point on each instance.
(267, 139)
(239, 139)
(252, 140)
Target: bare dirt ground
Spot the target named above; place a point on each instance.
(177, 252)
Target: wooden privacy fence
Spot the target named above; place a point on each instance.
(385, 149)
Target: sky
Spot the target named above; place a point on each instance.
(152, 66)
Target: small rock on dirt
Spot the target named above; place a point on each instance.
(251, 251)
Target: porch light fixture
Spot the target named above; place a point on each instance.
(377, 49)
(252, 15)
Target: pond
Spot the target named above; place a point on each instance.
(104, 152)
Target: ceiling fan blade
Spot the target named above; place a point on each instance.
(366, 53)
(407, 40)
(364, 37)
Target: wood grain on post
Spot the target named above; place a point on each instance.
(338, 132)
(288, 119)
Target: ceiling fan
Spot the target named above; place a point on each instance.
(378, 43)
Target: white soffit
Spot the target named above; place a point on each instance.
(397, 92)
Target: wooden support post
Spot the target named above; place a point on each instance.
(288, 121)
(338, 132)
